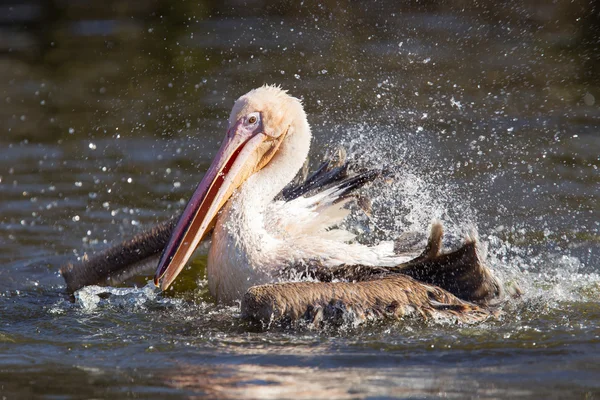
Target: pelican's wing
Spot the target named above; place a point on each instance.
(309, 216)
(335, 171)
(121, 261)
(318, 204)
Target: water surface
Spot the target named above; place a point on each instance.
(110, 116)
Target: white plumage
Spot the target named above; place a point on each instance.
(256, 236)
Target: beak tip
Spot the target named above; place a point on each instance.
(157, 280)
(161, 283)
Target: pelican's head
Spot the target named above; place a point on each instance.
(260, 121)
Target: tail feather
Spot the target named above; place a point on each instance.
(460, 272)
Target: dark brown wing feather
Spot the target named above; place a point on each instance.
(329, 175)
(119, 261)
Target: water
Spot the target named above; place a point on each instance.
(110, 116)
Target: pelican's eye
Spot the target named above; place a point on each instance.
(252, 120)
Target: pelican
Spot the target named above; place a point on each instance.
(262, 243)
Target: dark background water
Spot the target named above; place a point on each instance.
(111, 111)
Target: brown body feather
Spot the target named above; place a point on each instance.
(394, 297)
(455, 284)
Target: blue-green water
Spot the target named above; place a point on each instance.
(111, 114)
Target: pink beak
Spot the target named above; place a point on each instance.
(236, 160)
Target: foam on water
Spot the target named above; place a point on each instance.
(91, 298)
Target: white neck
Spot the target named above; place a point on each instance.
(262, 187)
(243, 250)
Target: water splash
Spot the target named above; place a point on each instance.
(92, 298)
(425, 188)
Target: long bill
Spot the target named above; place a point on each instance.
(241, 154)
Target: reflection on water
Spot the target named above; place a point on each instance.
(112, 111)
(275, 382)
